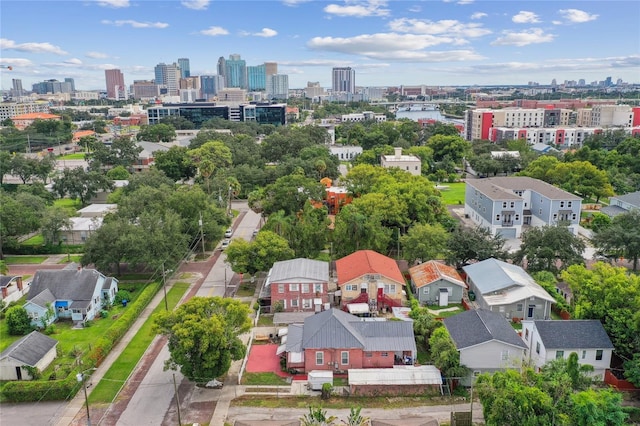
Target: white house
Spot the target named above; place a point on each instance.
(33, 350)
(486, 341)
(408, 163)
(548, 340)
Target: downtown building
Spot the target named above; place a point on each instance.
(115, 84)
(343, 80)
(167, 76)
(210, 85)
(200, 112)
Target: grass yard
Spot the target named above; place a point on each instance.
(265, 320)
(246, 289)
(120, 370)
(74, 156)
(263, 379)
(36, 240)
(73, 258)
(453, 195)
(24, 260)
(339, 402)
(68, 202)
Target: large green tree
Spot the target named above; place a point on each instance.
(354, 230)
(157, 133)
(81, 184)
(204, 337)
(175, 163)
(550, 248)
(621, 238)
(19, 215)
(18, 321)
(54, 220)
(288, 193)
(259, 254)
(424, 242)
(467, 244)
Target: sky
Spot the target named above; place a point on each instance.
(388, 43)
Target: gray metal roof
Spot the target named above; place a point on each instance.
(294, 338)
(492, 275)
(474, 327)
(43, 299)
(290, 317)
(65, 284)
(500, 188)
(30, 349)
(573, 334)
(613, 211)
(337, 329)
(299, 271)
(632, 198)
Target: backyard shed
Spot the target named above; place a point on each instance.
(317, 378)
(399, 380)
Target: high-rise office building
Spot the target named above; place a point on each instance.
(51, 86)
(17, 87)
(257, 77)
(145, 89)
(271, 68)
(222, 66)
(72, 82)
(115, 84)
(185, 70)
(235, 74)
(344, 80)
(169, 76)
(278, 86)
(210, 85)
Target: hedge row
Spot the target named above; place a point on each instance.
(53, 390)
(27, 250)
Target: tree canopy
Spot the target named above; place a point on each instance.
(204, 335)
(550, 248)
(259, 254)
(467, 244)
(621, 238)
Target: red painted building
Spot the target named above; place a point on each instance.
(298, 285)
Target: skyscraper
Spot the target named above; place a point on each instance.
(278, 86)
(344, 80)
(271, 68)
(210, 85)
(222, 66)
(185, 70)
(256, 77)
(72, 82)
(17, 87)
(169, 76)
(115, 84)
(235, 73)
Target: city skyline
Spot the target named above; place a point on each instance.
(387, 43)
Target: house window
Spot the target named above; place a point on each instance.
(390, 289)
(344, 357)
(384, 354)
(319, 358)
(504, 355)
(504, 204)
(538, 347)
(559, 354)
(476, 373)
(368, 355)
(519, 307)
(517, 217)
(306, 303)
(568, 203)
(497, 217)
(526, 334)
(573, 216)
(294, 303)
(351, 287)
(317, 288)
(293, 287)
(425, 290)
(305, 288)
(584, 354)
(599, 355)
(555, 216)
(540, 211)
(280, 288)
(561, 204)
(512, 204)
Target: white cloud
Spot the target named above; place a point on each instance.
(6, 44)
(196, 4)
(525, 17)
(444, 27)
(96, 55)
(479, 15)
(17, 62)
(135, 24)
(359, 9)
(293, 3)
(73, 61)
(465, 2)
(415, 9)
(266, 32)
(116, 4)
(214, 31)
(576, 16)
(392, 46)
(523, 38)
(316, 63)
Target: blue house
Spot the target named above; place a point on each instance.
(76, 294)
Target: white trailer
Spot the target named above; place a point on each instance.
(319, 377)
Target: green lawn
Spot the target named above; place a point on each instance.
(120, 370)
(73, 258)
(24, 260)
(265, 320)
(74, 156)
(68, 202)
(454, 194)
(246, 289)
(263, 379)
(36, 240)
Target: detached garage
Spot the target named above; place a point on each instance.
(33, 350)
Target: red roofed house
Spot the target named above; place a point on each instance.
(369, 277)
(436, 283)
(23, 121)
(82, 134)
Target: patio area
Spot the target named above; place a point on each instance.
(263, 359)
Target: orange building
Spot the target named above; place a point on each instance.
(23, 121)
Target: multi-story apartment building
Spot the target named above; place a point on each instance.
(11, 109)
(210, 85)
(505, 205)
(51, 86)
(363, 116)
(344, 79)
(235, 72)
(313, 90)
(115, 84)
(200, 112)
(144, 89)
(185, 68)
(257, 77)
(613, 115)
(17, 89)
(168, 75)
(561, 136)
(278, 86)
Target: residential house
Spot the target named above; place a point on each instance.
(507, 289)
(146, 157)
(76, 294)
(338, 341)
(486, 342)
(408, 163)
(506, 205)
(548, 340)
(97, 210)
(101, 195)
(298, 285)
(22, 121)
(435, 283)
(622, 204)
(11, 288)
(370, 277)
(33, 350)
(80, 228)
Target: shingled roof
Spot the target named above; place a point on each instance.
(367, 262)
(475, 327)
(64, 284)
(30, 349)
(573, 334)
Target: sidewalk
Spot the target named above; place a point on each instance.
(77, 404)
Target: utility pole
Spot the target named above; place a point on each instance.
(229, 201)
(201, 233)
(164, 288)
(175, 387)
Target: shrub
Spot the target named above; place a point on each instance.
(18, 321)
(122, 295)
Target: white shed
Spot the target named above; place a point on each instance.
(33, 350)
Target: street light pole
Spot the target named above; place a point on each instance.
(164, 287)
(80, 378)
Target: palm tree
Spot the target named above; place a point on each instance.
(317, 417)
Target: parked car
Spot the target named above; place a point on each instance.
(228, 233)
(225, 244)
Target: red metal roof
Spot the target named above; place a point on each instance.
(428, 272)
(367, 262)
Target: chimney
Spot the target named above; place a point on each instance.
(398, 152)
(5, 292)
